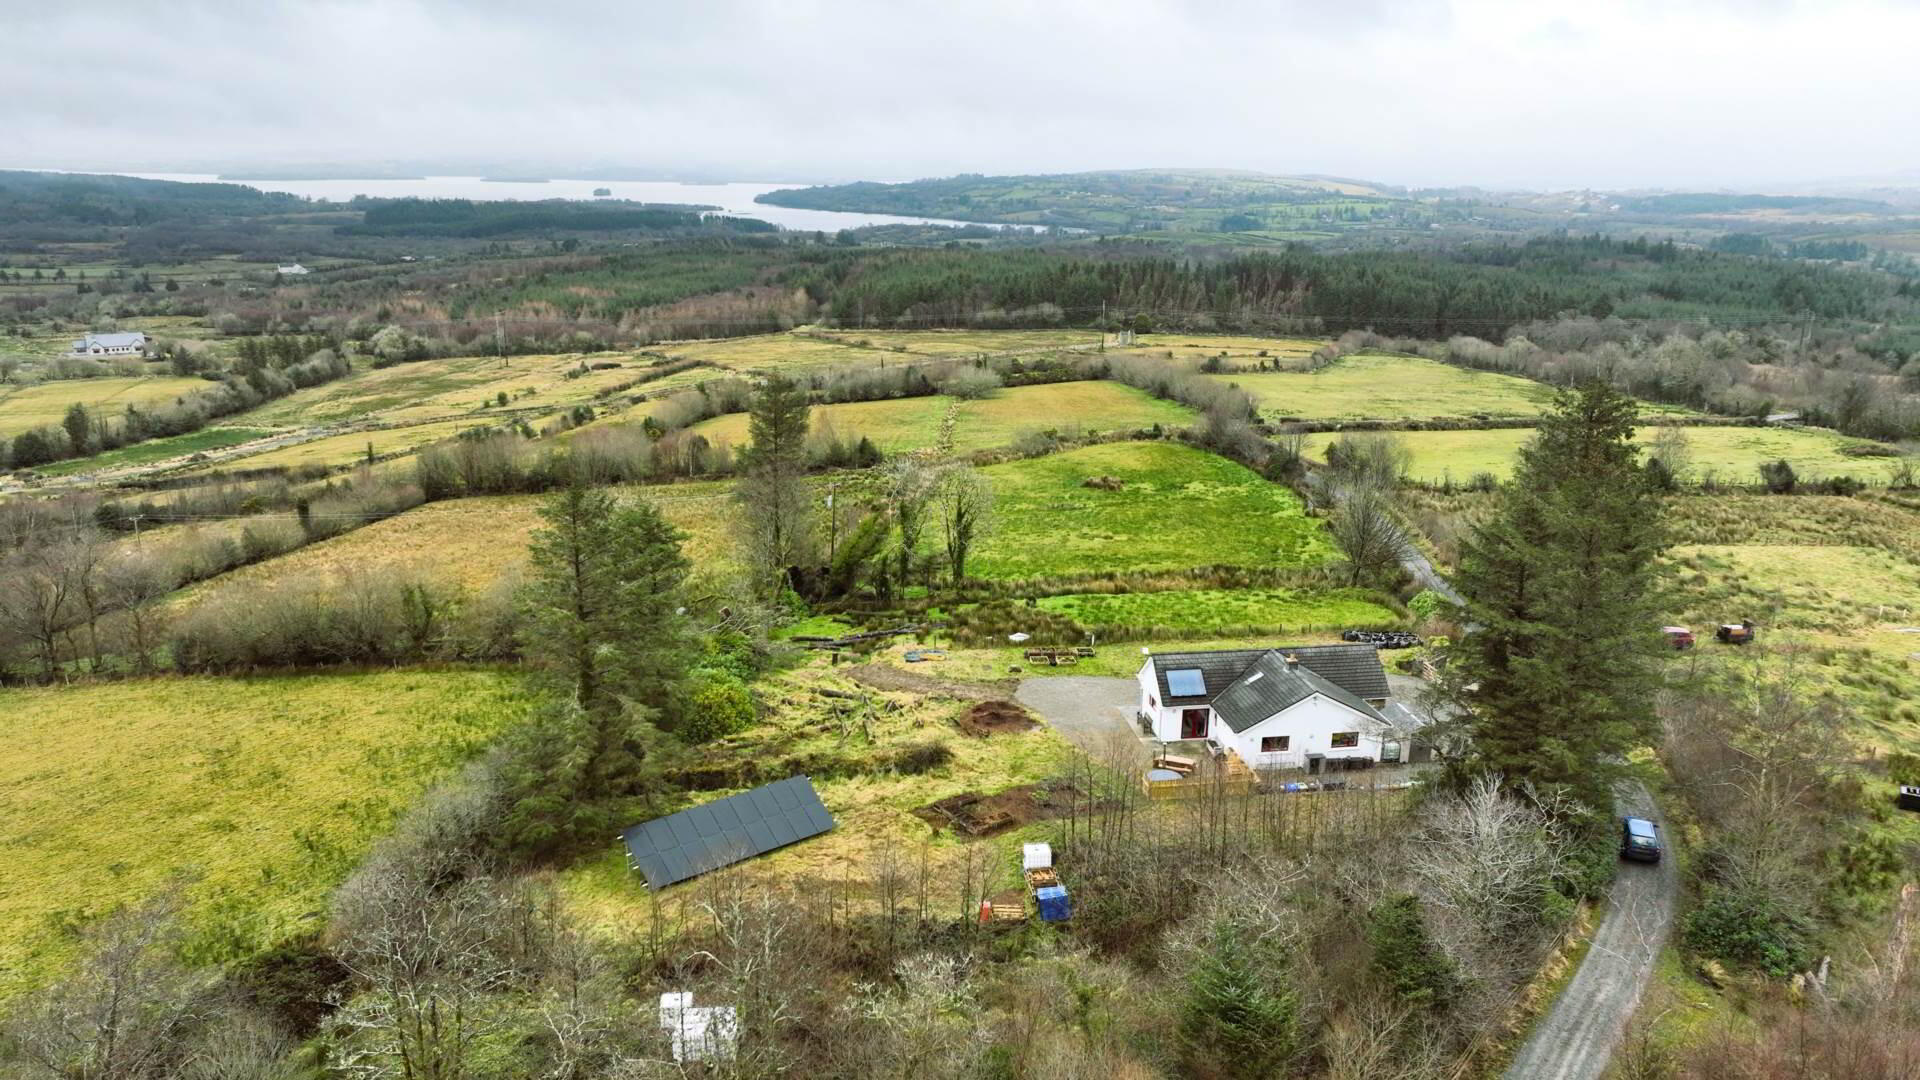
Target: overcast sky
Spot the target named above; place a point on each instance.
(1536, 93)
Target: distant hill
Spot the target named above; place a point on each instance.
(82, 199)
(1723, 203)
(1195, 200)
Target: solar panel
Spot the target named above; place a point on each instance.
(726, 831)
(1186, 682)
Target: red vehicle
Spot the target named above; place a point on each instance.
(1678, 636)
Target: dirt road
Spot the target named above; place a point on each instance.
(1576, 1039)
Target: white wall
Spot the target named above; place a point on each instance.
(1309, 726)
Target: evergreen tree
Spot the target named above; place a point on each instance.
(778, 513)
(1234, 1017)
(77, 426)
(1563, 582)
(604, 618)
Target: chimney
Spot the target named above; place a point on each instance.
(1292, 659)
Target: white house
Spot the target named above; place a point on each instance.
(1292, 707)
(292, 270)
(130, 344)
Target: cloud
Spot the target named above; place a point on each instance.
(1496, 92)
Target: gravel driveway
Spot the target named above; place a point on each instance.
(1093, 712)
(1575, 1040)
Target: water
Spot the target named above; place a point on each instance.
(730, 198)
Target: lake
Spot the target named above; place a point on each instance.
(730, 198)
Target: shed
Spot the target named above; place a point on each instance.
(726, 831)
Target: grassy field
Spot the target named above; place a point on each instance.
(1177, 508)
(1391, 387)
(961, 342)
(256, 795)
(479, 541)
(1090, 406)
(901, 424)
(153, 450)
(45, 404)
(1209, 610)
(1731, 454)
(349, 448)
(894, 425)
(443, 387)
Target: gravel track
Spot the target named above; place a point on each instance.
(1577, 1037)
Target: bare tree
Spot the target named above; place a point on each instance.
(1672, 448)
(911, 486)
(40, 596)
(966, 515)
(426, 956)
(123, 1014)
(1363, 526)
(137, 581)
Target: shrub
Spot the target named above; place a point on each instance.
(1406, 956)
(1426, 604)
(718, 704)
(971, 383)
(1748, 932)
(1779, 477)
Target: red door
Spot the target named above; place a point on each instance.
(1193, 723)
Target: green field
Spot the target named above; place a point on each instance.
(255, 795)
(893, 425)
(153, 450)
(45, 404)
(1210, 610)
(1729, 454)
(962, 342)
(997, 421)
(989, 423)
(1369, 387)
(1177, 508)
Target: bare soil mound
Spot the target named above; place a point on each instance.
(995, 718)
(974, 814)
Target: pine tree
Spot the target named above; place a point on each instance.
(604, 619)
(1564, 584)
(778, 513)
(1234, 1017)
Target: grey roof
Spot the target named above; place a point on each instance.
(111, 341)
(726, 831)
(1354, 668)
(1272, 685)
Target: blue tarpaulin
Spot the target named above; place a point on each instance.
(1053, 903)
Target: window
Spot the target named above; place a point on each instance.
(1344, 739)
(1186, 682)
(1274, 744)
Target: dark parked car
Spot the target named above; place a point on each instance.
(1639, 840)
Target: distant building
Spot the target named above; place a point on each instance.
(132, 344)
(292, 270)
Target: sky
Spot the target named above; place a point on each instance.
(1555, 94)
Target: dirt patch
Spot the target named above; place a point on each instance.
(974, 814)
(995, 718)
(889, 677)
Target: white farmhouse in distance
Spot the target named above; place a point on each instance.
(291, 270)
(1309, 707)
(128, 344)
